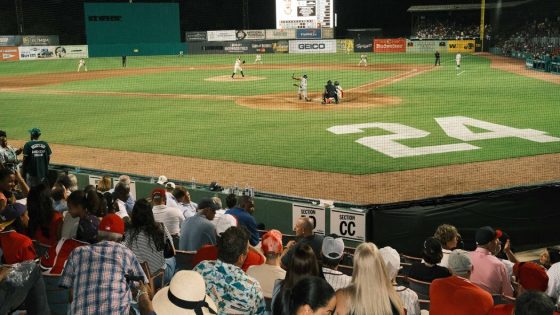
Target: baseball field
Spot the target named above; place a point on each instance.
(404, 129)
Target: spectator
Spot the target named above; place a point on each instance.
(105, 184)
(457, 294)
(267, 274)
(120, 195)
(45, 224)
(80, 205)
(226, 283)
(8, 155)
(169, 187)
(553, 289)
(244, 214)
(30, 290)
(231, 201)
(534, 303)
(97, 273)
(15, 246)
(99, 206)
(73, 182)
(170, 217)
(489, 272)
(371, 291)
(428, 269)
(146, 239)
(303, 263)
(7, 184)
(311, 295)
(59, 194)
(130, 199)
(36, 158)
(531, 277)
(449, 237)
(409, 298)
(162, 180)
(186, 294)
(210, 252)
(331, 255)
(304, 235)
(198, 230)
(220, 212)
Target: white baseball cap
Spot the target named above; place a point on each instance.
(162, 180)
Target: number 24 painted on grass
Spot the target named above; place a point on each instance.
(454, 127)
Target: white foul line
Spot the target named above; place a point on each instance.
(460, 73)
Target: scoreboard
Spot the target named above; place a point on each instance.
(294, 14)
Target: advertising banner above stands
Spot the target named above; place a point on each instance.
(240, 47)
(297, 14)
(310, 33)
(325, 46)
(363, 45)
(467, 46)
(389, 45)
(53, 52)
(327, 33)
(195, 36)
(10, 40)
(40, 40)
(250, 34)
(425, 46)
(9, 53)
(281, 34)
(222, 36)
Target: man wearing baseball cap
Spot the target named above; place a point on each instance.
(16, 247)
(97, 273)
(198, 230)
(489, 272)
(171, 217)
(36, 158)
(267, 273)
(332, 252)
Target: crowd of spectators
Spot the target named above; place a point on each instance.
(105, 253)
(450, 29)
(539, 38)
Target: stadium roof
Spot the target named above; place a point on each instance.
(464, 7)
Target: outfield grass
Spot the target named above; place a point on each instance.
(295, 139)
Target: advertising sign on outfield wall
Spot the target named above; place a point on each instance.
(10, 40)
(309, 33)
(53, 52)
(348, 224)
(324, 46)
(250, 34)
(40, 40)
(344, 45)
(195, 36)
(281, 46)
(221, 36)
(467, 46)
(425, 46)
(281, 34)
(9, 53)
(389, 45)
(363, 45)
(295, 14)
(327, 33)
(315, 214)
(238, 47)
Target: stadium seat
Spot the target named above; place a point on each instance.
(410, 259)
(420, 287)
(184, 260)
(347, 270)
(424, 304)
(403, 271)
(57, 297)
(502, 299)
(155, 280)
(40, 249)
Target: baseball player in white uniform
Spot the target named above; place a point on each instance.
(363, 60)
(458, 60)
(258, 59)
(237, 67)
(302, 87)
(82, 64)
(339, 90)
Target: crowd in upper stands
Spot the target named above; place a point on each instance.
(538, 37)
(450, 29)
(107, 245)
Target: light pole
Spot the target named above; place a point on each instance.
(19, 16)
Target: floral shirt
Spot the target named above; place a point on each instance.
(233, 291)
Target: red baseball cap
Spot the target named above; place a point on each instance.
(112, 223)
(272, 242)
(531, 276)
(158, 193)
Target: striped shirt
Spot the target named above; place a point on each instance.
(96, 273)
(336, 279)
(144, 248)
(409, 299)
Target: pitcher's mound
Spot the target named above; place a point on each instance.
(227, 78)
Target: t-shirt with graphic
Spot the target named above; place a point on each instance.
(37, 153)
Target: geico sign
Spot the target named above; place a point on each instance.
(311, 46)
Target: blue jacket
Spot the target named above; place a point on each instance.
(248, 221)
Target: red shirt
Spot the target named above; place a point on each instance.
(16, 247)
(458, 296)
(52, 240)
(506, 309)
(210, 252)
(55, 261)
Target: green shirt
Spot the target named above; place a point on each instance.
(36, 154)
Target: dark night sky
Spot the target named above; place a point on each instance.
(65, 17)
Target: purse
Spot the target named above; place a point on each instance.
(168, 249)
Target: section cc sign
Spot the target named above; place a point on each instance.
(349, 225)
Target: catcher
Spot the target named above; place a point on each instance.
(237, 67)
(330, 93)
(302, 87)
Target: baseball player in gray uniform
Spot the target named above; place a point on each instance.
(237, 67)
(302, 87)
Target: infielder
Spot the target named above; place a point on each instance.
(458, 60)
(258, 59)
(237, 67)
(302, 91)
(82, 64)
(339, 90)
(363, 60)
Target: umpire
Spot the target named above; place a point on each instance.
(438, 63)
(330, 92)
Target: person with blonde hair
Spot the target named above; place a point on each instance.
(105, 184)
(371, 291)
(449, 237)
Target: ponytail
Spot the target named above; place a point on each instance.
(87, 200)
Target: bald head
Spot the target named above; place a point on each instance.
(303, 227)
